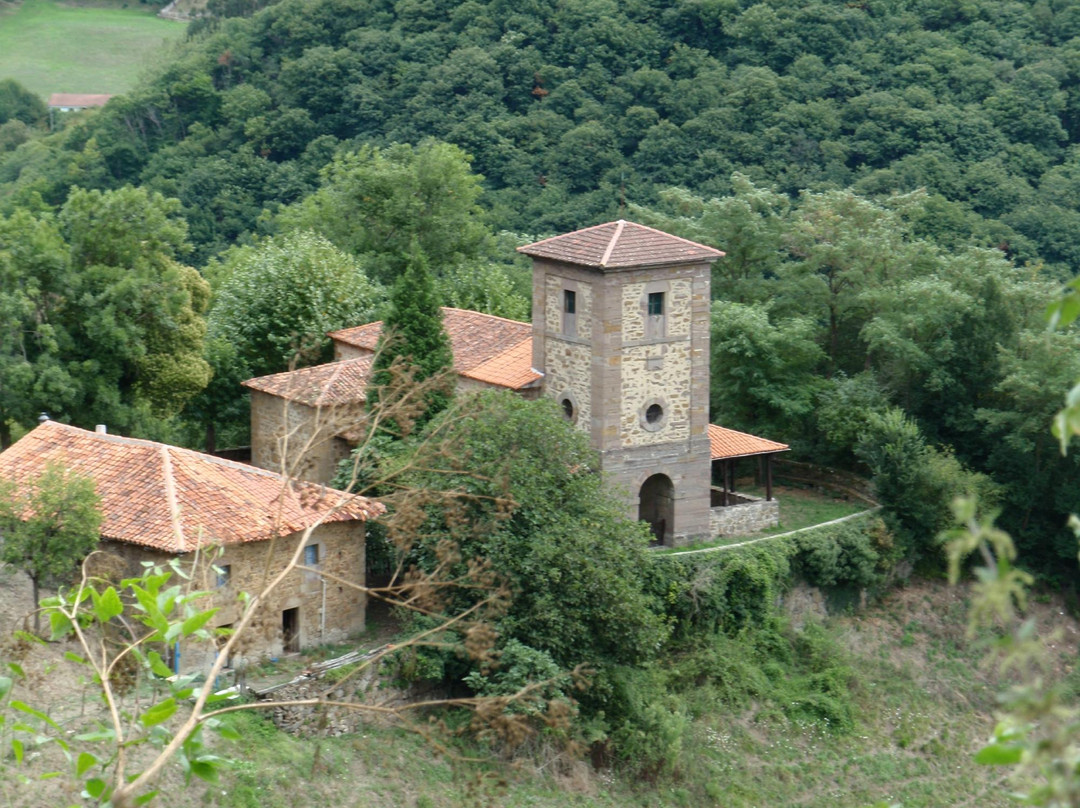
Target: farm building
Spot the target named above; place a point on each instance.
(161, 502)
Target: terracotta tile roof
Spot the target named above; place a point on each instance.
(512, 368)
(78, 100)
(620, 244)
(326, 385)
(173, 499)
(727, 443)
(486, 348)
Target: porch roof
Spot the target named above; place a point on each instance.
(726, 444)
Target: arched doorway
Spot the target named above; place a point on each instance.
(657, 506)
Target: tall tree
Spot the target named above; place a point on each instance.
(134, 312)
(376, 202)
(34, 283)
(275, 302)
(413, 330)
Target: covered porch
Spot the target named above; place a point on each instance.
(733, 513)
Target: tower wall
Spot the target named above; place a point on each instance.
(612, 361)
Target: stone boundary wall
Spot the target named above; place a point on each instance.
(743, 520)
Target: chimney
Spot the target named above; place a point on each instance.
(43, 418)
(101, 429)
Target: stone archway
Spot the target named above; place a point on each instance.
(656, 505)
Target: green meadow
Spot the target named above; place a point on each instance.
(53, 47)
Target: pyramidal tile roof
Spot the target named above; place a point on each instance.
(727, 443)
(328, 385)
(174, 499)
(487, 348)
(620, 244)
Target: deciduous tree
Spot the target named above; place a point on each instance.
(48, 526)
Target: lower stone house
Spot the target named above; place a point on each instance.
(234, 524)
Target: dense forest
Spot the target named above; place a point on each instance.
(568, 107)
(896, 185)
(893, 183)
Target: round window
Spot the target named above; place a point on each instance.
(654, 413)
(568, 409)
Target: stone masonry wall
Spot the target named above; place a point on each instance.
(745, 519)
(631, 362)
(329, 611)
(655, 374)
(311, 451)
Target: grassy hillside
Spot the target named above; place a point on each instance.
(924, 704)
(52, 47)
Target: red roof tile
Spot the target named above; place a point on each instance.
(78, 100)
(621, 244)
(175, 499)
(486, 348)
(326, 385)
(727, 443)
(512, 368)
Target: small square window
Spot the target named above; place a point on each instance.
(311, 555)
(656, 304)
(569, 301)
(224, 575)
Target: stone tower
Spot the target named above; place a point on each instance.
(621, 333)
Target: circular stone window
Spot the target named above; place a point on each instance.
(653, 416)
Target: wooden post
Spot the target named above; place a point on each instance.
(723, 485)
(768, 477)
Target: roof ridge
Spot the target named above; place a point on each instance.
(484, 314)
(611, 244)
(195, 454)
(170, 498)
(563, 235)
(329, 384)
(444, 309)
(679, 238)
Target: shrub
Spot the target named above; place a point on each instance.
(915, 482)
(859, 553)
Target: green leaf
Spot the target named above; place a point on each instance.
(16, 668)
(75, 657)
(17, 748)
(225, 731)
(60, 624)
(997, 754)
(197, 621)
(93, 737)
(25, 708)
(205, 770)
(94, 788)
(108, 605)
(5, 685)
(161, 711)
(85, 761)
(158, 666)
(145, 798)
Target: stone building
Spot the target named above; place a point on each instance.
(621, 316)
(301, 420)
(619, 338)
(161, 502)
